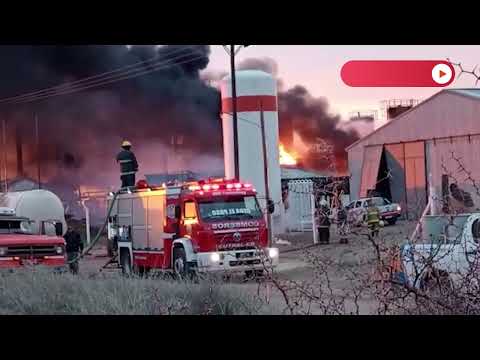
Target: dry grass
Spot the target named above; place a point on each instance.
(43, 293)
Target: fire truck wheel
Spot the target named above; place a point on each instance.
(180, 265)
(126, 263)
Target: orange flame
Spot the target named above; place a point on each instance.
(285, 157)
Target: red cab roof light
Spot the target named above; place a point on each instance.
(142, 184)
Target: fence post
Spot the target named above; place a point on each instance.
(314, 227)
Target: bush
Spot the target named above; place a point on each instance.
(43, 293)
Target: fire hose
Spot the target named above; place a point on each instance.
(99, 233)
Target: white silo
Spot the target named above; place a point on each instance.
(256, 90)
(38, 206)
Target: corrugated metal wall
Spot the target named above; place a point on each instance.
(415, 178)
(299, 213)
(395, 156)
(441, 155)
(371, 163)
(355, 160)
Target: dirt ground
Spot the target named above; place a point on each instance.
(293, 265)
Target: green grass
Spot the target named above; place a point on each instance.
(43, 293)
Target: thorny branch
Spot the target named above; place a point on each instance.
(472, 72)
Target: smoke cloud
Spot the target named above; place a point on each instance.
(80, 133)
(172, 115)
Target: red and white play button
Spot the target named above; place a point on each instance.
(441, 74)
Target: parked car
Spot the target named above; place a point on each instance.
(389, 212)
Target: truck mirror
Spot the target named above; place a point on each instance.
(58, 229)
(178, 212)
(270, 206)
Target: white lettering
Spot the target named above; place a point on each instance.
(233, 225)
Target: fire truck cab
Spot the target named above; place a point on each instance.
(204, 226)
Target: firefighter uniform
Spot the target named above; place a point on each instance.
(74, 247)
(373, 220)
(128, 165)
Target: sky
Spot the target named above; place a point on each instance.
(317, 67)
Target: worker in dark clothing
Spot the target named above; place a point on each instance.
(74, 247)
(342, 225)
(128, 165)
(323, 222)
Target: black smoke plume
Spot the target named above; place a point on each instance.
(80, 133)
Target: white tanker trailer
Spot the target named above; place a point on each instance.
(42, 207)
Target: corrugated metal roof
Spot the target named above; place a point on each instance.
(475, 93)
(472, 93)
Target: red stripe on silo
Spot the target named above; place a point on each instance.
(251, 103)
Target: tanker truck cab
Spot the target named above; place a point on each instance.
(207, 226)
(19, 247)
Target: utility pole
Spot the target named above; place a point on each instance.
(19, 148)
(234, 111)
(4, 148)
(265, 173)
(37, 137)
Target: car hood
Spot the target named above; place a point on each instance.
(26, 239)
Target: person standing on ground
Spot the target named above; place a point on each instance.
(373, 219)
(342, 224)
(323, 222)
(128, 165)
(74, 247)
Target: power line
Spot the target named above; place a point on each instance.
(99, 79)
(67, 91)
(87, 79)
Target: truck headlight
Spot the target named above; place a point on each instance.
(215, 257)
(399, 208)
(273, 253)
(3, 251)
(59, 250)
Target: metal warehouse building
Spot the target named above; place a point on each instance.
(415, 152)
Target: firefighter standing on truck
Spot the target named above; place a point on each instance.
(128, 165)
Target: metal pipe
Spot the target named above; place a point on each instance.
(4, 148)
(314, 225)
(234, 111)
(87, 220)
(265, 174)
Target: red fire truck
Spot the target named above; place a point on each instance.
(204, 226)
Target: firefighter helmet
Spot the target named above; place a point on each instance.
(126, 143)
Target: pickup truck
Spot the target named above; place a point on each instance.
(19, 247)
(449, 255)
(389, 212)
